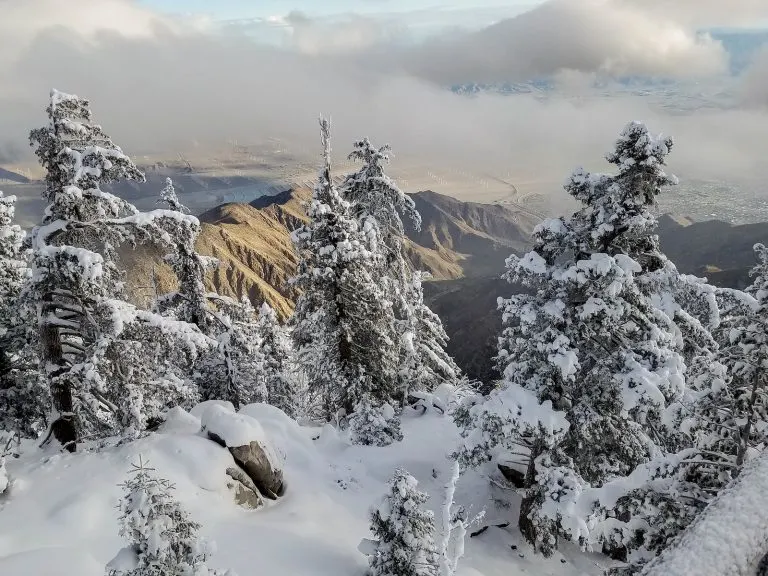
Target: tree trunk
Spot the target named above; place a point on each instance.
(63, 428)
(527, 528)
(745, 432)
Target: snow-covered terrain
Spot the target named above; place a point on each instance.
(59, 516)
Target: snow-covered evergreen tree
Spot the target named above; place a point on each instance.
(418, 334)
(721, 420)
(425, 363)
(747, 357)
(404, 531)
(76, 285)
(339, 326)
(140, 365)
(24, 399)
(234, 371)
(374, 195)
(163, 539)
(169, 197)
(589, 339)
(372, 425)
(278, 370)
(189, 302)
(454, 523)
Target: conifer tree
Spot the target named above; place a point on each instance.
(418, 334)
(190, 302)
(372, 425)
(737, 413)
(337, 325)
(163, 540)
(404, 530)
(277, 373)
(589, 338)
(235, 370)
(425, 363)
(76, 285)
(169, 197)
(24, 399)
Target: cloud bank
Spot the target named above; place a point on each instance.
(158, 84)
(612, 37)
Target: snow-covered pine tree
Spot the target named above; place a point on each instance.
(373, 194)
(404, 531)
(425, 363)
(379, 205)
(588, 338)
(235, 370)
(189, 303)
(339, 326)
(76, 285)
(139, 366)
(169, 197)
(278, 371)
(747, 357)
(372, 425)
(24, 399)
(163, 540)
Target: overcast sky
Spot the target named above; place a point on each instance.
(234, 9)
(162, 74)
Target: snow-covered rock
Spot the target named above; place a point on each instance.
(201, 408)
(179, 421)
(729, 537)
(249, 446)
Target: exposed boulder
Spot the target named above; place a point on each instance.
(245, 491)
(254, 459)
(245, 439)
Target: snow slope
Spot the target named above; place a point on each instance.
(59, 517)
(730, 537)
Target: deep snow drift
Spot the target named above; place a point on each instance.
(59, 516)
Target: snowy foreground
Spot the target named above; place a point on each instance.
(59, 517)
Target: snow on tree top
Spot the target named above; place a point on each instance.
(57, 97)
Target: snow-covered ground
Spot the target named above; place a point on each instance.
(59, 516)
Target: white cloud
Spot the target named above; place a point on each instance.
(341, 35)
(613, 37)
(754, 86)
(158, 87)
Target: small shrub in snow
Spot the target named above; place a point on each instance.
(374, 425)
(404, 532)
(163, 539)
(454, 526)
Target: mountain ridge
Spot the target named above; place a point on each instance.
(253, 244)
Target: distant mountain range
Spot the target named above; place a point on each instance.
(252, 241)
(462, 244)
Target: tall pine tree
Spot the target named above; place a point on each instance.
(588, 339)
(338, 325)
(24, 399)
(418, 360)
(77, 286)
